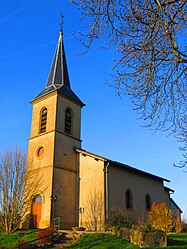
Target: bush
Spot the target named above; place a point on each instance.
(160, 217)
(118, 218)
(143, 226)
(178, 224)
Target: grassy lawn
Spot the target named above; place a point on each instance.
(102, 241)
(177, 241)
(94, 241)
(105, 241)
(10, 241)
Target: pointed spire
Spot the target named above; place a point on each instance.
(58, 79)
(58, 75)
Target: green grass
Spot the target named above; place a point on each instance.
(102, 241)
(177, 241)
(93, 241)
(10, 241)
(106, 241)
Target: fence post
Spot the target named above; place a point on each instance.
(51, 233)
(19, 242)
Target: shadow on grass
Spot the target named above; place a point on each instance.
(174, 242)
(177, 241)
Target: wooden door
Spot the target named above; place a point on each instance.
(36, 212)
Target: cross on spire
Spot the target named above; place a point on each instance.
(62, 22)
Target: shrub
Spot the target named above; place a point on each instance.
(143, 226)
(160, 217)
(178, 224)
(118, 218)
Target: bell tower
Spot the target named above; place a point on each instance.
(55, 132)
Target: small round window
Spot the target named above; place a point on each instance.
(40, 151)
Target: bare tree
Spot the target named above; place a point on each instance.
(150, 39)
(94, 211)
(17, 188)
(182, 138)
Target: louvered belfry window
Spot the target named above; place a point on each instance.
(43, 120)
(68, 121)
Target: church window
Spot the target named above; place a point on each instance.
(38, 198)
(43, 120)
(68, 119)
(148, 202)
(129, 199)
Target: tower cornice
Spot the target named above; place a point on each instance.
(43, 97)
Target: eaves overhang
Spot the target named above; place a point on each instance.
(169, 190)
(118, 164)
(63, 90)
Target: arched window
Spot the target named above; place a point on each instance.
(148, 202)
(37, 198)
(68, 120)
(129, 200)
(43, 120)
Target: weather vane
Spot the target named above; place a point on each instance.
(62, 22)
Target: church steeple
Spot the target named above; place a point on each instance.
(55, 132)
(58, 79)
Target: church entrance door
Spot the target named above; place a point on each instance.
(36, 211)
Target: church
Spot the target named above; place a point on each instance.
(76, 185)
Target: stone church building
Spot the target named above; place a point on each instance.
(76, 185)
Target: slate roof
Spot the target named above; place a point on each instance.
(58, 79)
(175, 204)
(169, 189)
(125, 166)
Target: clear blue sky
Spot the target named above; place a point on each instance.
(29, 31)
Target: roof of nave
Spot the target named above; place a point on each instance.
(124, 166)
